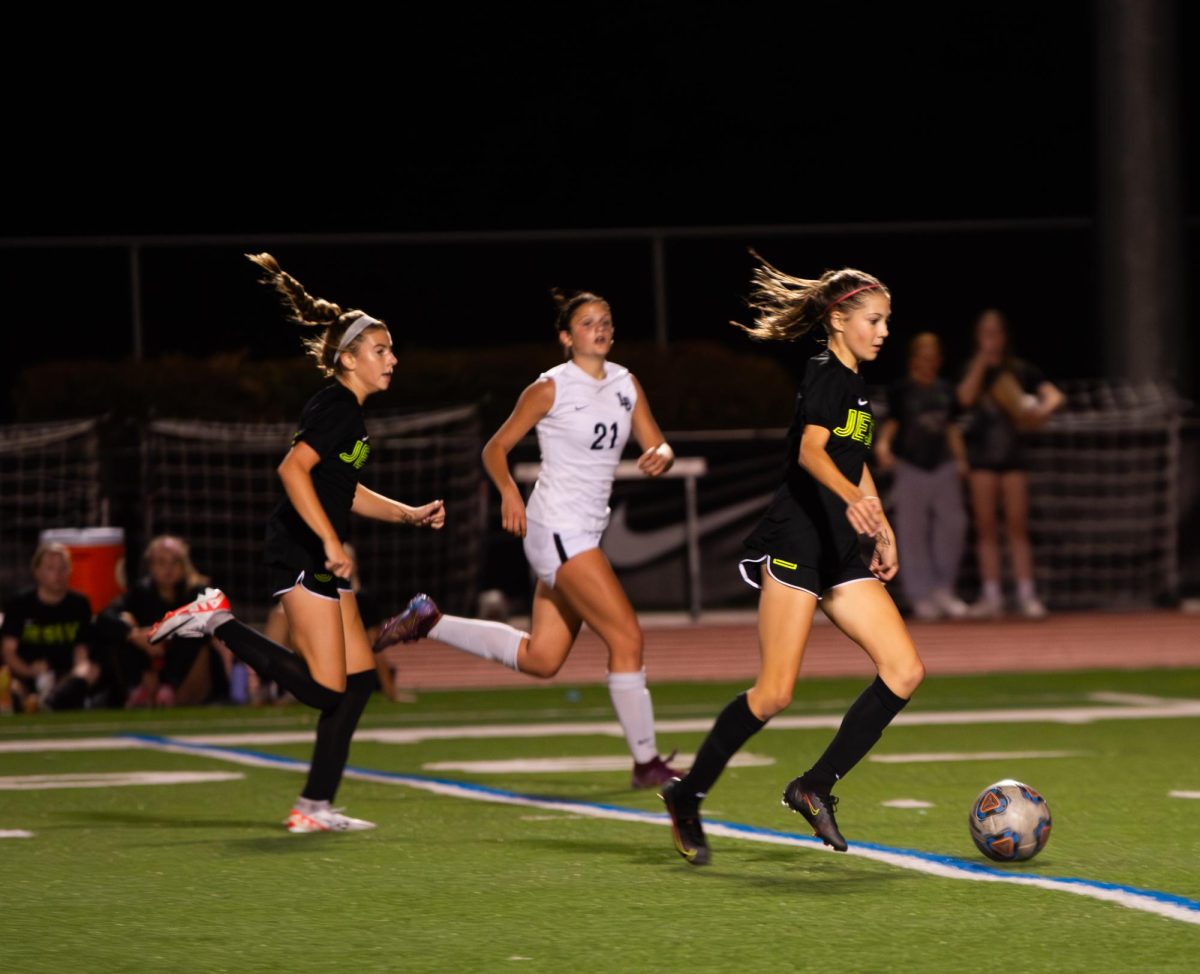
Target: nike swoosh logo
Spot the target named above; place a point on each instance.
(584, 406)
(862, 402)
(627, 548)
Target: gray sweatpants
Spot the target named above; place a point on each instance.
(931, 526)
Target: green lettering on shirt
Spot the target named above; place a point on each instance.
(358, 456)
(859, 426)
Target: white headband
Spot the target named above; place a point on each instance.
(361, 324)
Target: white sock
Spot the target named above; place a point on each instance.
(487, 640)
(991, 592)
(631, 701)
(1025, 590)
(306, 806)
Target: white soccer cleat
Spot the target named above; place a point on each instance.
(196, 619)
(325, 820)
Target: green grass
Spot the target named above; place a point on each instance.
(202, 877)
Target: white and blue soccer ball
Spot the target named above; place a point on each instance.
(1010, 822)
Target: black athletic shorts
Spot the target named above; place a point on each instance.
(808, 578)
(323, 582)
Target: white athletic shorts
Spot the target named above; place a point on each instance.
(547, 549)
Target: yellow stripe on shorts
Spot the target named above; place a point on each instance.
(783, 564)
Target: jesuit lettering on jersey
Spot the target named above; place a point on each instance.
(358, 456)
(49, 633)
(859, 426)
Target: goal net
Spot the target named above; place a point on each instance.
(50, 477)
(214, 484)
(1105, 496)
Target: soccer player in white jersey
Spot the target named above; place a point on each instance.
(584, 411)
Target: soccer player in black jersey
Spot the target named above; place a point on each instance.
(333, 668)
(806, 550)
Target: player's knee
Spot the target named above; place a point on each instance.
(541, 667)
(905, 679)
(625, 650)
(766, 702)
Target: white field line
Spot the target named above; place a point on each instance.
(1137, 699)
(939, 757)
(116, 779)
(1148, 901)
(15, 834)
(593, 763)
(415, 735)
(1184, 794)
(906, 803)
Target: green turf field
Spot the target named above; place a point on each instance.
(202, 876)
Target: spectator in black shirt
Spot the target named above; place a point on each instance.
(44, 638)
(924, 450)
(1005, 399)
(175, 671)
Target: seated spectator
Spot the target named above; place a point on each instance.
(924, 450)
(44, 639)
(177, 671)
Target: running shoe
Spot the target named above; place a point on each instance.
(419, 616)
(325, 820)
(657, 771)
(817, 809)
(1032, 608)
(951, 605)
(196, 619)
(986, 608)
(686, 829)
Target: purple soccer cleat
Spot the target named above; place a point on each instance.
(419, 616)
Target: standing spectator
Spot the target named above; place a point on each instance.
(1006, 399)
(924, 450)
(176, 671)
(44, 638)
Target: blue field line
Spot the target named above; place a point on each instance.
(750, 831)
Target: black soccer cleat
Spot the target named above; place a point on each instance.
(817, 809)
(686, 829)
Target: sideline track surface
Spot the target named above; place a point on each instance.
(1149, 901)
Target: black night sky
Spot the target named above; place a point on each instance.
(667, 115)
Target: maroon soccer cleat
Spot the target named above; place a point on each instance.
(419, 616)
(657, 771)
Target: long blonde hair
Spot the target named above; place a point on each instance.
(310, 312)
(787, 307)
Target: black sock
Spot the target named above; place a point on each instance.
(862, 726)
(735, 725)
(274, 662)
(334, 730)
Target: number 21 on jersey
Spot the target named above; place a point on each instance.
(603, 433)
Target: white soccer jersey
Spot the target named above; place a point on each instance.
(581, 440)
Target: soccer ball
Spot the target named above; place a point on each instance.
(1010, 822)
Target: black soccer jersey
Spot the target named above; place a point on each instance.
(332, 424)
(806, 521)
(49, 632)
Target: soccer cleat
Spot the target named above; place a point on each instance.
(817, 809)
(686, 829)
(657, 771)
(196, 619)
(325, 820)
(419, 616)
